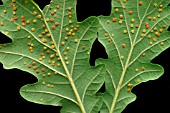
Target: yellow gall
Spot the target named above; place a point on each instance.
(132, 20)
(122, 57)
(66, 38)
(34, 13)
(55, 10)
(52, 46)
(28, 22)
(144, 30)
(57, 54)
(49, 35)
(132, 31)
(161, 30)
(65, 53)
(161, 43)
(143, 54)
(1, 23)
(121, 16)
(69, 8)
(52, 56)
(70, 21)
(48, 74)
(130, 85)
(75, 40)
(131, 25)
(58, 58)
(154, 18)
(43, 83)
(66, 58)
(13, 1)
(32, 29)
(151, 31)
(62, 43)
(136, 69)
(29, 37)
(138, 81)
(58, 6)
(34, 21)
(44, 40)
(124, 7)
(45, 48)
(4, 45)
(124, 31)
(160, 10)
(149, 36)
(48, 85)
(120, 22)
(25, 63)
(58, 64)
(7, 33)
(160, 6)
(49, 62)
(43, 75)
(156, 33)
(116, 10)
(18, 27)
(67, 48)
(155, 4)
(5, 11)
(67, 62)
(46, 30)
(39, 16)
(14, 13)
(47, 19)
(155, 28)
(106, 34)
(150, 43)
(73, 34)
(67, 29)
(154, 39)
(75, 29)
(14, 8)
(158, 15)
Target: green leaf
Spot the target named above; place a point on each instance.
(54, 47)
(133, 35)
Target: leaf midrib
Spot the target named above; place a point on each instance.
(127, 62)
(63, 63)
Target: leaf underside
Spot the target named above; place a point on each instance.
(133, 34)
(54, 47)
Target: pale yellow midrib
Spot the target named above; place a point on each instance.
(126, 65)
(65, 67)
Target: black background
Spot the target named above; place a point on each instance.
(152, 96)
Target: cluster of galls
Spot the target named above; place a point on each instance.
(150, 32)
